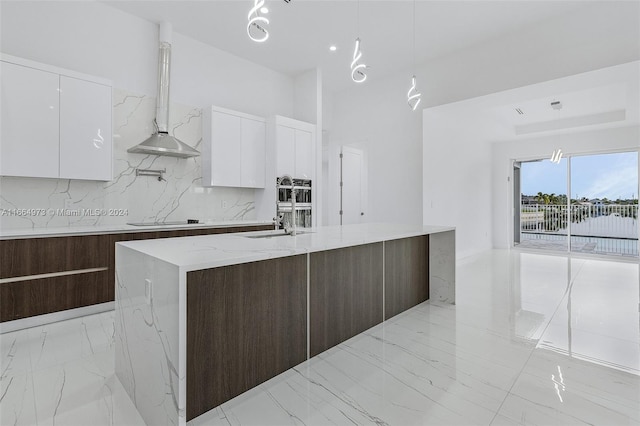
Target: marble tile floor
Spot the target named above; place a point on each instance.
(534, 339)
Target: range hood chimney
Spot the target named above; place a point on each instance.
(161, 143)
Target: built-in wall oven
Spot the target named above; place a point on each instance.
(303, 205)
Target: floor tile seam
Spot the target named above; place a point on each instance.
(467, 351)
(609, 336)
(33, 393)
(509, 393)
(564, 297)
(580, 387)
(586, 256)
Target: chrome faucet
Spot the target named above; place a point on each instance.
(291, 228)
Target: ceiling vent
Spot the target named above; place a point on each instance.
(519, 111)
(557, 105)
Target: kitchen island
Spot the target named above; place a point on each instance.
(200, 320)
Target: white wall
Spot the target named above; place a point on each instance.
(376, 119)
(96, 39)
(457, 176)
(376, 114)
(503, 154)
(307, 101)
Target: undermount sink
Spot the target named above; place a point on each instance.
(181, 222)
(278, 235)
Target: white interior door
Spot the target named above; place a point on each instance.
(352, 185)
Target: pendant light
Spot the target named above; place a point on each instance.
(556, 156)
(413, 96)
(256, 28)
(357, 69)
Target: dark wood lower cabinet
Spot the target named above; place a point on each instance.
(35, 256)
(24, 299)
(406, 273)
(345, 294)
(245, 324)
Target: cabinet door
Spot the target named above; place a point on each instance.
(286, 157)
(30, 130)
(252, 156)
(304, 155)
(85, 130)
(226, 140)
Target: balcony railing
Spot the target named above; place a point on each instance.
(605, 229)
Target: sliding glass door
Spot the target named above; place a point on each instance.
(543, 205)
(600, 217)
(604, 206)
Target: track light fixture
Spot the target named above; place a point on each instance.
(256, 28)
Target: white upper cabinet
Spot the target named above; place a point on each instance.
(225, 152)
(29, 122)
(295, 148)
(85, 130)
(304, 155)
(286, 151)
(233, 151)
(252, 153)
(55, 123)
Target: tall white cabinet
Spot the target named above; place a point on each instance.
(55, 123)
(295, 150)
(291, 150)
(233, 152)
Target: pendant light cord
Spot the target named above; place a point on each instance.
(358, 18)
(414, 36)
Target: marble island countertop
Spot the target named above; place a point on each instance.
(210, 251)
(6, 234)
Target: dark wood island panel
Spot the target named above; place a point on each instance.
(245, 324)
(345, 294)
(406, 270)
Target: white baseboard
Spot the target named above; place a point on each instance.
(9, 326)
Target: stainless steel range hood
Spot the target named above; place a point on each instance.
(161, 143)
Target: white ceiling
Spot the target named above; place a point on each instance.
(600, 99)
(301, 31)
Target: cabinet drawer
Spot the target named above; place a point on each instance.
(35, 256)
(24, 299)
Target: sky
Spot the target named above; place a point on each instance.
(592, 176)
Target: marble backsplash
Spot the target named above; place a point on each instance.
(131, 198)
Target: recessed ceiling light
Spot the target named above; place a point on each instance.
(333, 48)
(264, 10)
